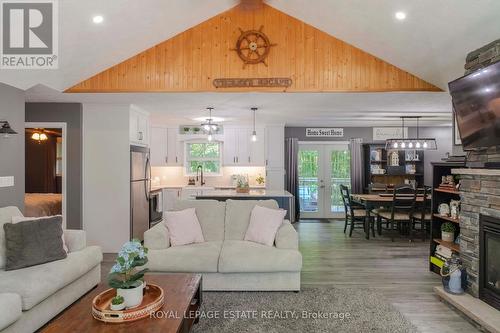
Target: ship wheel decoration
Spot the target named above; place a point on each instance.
(253, 47)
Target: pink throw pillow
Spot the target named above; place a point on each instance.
(183, 227)
(264, 224)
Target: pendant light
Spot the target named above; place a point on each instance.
(209, 126)
(411, 143)
(254, 133)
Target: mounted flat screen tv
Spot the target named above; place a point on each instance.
(476, 103)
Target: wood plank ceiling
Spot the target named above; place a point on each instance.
(314, 60)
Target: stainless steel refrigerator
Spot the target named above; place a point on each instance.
(140, 187)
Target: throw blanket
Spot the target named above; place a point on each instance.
(42, 204)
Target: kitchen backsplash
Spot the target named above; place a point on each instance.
(174, 176)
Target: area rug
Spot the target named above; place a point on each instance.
(311, 310)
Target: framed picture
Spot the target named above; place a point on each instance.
(456, 134)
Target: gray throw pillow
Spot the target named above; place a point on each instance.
(34, 242)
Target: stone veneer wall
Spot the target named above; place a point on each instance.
(480, 195)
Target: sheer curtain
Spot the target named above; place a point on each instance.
(292, 173)
(356, 149)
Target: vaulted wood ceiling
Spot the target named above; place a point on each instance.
(314, 60)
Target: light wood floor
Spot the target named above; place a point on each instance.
(397, 270)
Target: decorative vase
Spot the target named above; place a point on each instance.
(132, 297)
(117, 307)
(447, 236)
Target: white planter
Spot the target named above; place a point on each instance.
(448, 236)
(117, 307)
(132, 297)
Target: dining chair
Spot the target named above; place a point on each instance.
(378, 188)
(400, 213)
(422, 213)
(353, 214)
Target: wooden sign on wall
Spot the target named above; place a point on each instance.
(385, 133)
(325, 132)
(271, 82)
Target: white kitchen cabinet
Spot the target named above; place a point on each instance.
(230, 146)
(175, 148)
(239, 150)
(275, 179)
(170, 196)
(139, 127)
(275, 157)
(166, 149)
(275, 147)
(257, 149)
(159, 146)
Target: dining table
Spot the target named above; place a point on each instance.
(372, 201)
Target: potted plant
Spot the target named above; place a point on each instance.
(448, 232)
(124, 275)
(242, 184)
(186, 130)
(117, 303)
(196, 130)
(260, 180)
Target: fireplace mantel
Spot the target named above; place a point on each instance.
(476, 172)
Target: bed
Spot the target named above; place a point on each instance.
(42, 204)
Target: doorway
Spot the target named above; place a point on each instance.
(45, 169)
(323, 167)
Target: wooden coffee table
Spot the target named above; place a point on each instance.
(183, 295)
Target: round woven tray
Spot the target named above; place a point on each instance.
(152, 301)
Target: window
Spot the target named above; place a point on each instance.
(206, 154)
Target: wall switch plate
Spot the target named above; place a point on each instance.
(6, 181)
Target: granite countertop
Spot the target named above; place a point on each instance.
(218, 187)
(253, 193)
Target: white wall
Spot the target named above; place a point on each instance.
(106, 175)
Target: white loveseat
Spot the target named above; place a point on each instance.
(226, 261)
(30, 297)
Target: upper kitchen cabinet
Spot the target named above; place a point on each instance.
(139, 127)
(166, 149)
(257, 148)
(239, 150)
(275, 147)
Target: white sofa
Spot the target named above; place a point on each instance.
(226, 261)
(31, 296)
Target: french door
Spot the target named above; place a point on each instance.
(322, 169)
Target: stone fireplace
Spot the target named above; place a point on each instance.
(480, 206)
(489, 260)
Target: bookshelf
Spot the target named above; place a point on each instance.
(439, 196)
(409, 168)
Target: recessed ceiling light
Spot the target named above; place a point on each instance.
(400, 15)
(98, 19)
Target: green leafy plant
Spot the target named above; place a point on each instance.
(196, 129)
(241, 181)
(447, 227)
(117, 300)
(124, 273)
(186, 129)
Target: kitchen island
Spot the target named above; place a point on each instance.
(284, 199)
